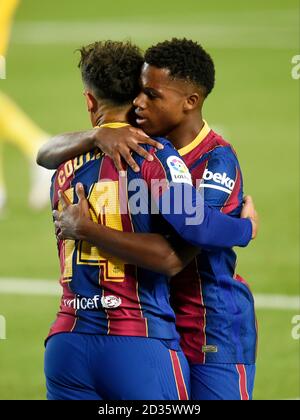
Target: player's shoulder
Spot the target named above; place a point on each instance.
(221, 148)
(165, 142)
(161, 154)
(167, 164)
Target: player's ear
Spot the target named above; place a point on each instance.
(91, 102)
(192, 101)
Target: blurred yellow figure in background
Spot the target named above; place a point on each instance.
(17, 128)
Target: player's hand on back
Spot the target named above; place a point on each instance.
(68, 222)
(119, 143)
(250, 212)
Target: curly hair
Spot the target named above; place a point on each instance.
(112, 69)
(185, 59)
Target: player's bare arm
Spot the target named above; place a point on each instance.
(116, 143)
(151, 251)
(64, 147)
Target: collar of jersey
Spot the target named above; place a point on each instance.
(112, 125)
(201, 136)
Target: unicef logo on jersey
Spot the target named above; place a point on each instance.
(110, 302)
(178, 170)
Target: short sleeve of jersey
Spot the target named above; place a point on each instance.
(221, 181)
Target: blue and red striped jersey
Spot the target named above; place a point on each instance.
(102, 295)
(214, 306)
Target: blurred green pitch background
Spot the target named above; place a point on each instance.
(255, 105)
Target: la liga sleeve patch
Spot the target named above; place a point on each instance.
(179, 171)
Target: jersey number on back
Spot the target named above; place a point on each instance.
(105, 209)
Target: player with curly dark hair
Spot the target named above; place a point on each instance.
(112, 70)
(114, 337)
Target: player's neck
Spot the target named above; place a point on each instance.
(186, 132)
(107, 114)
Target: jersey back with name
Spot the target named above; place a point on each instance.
(102, 295)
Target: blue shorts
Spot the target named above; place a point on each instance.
(222, 381)
(96, 367)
